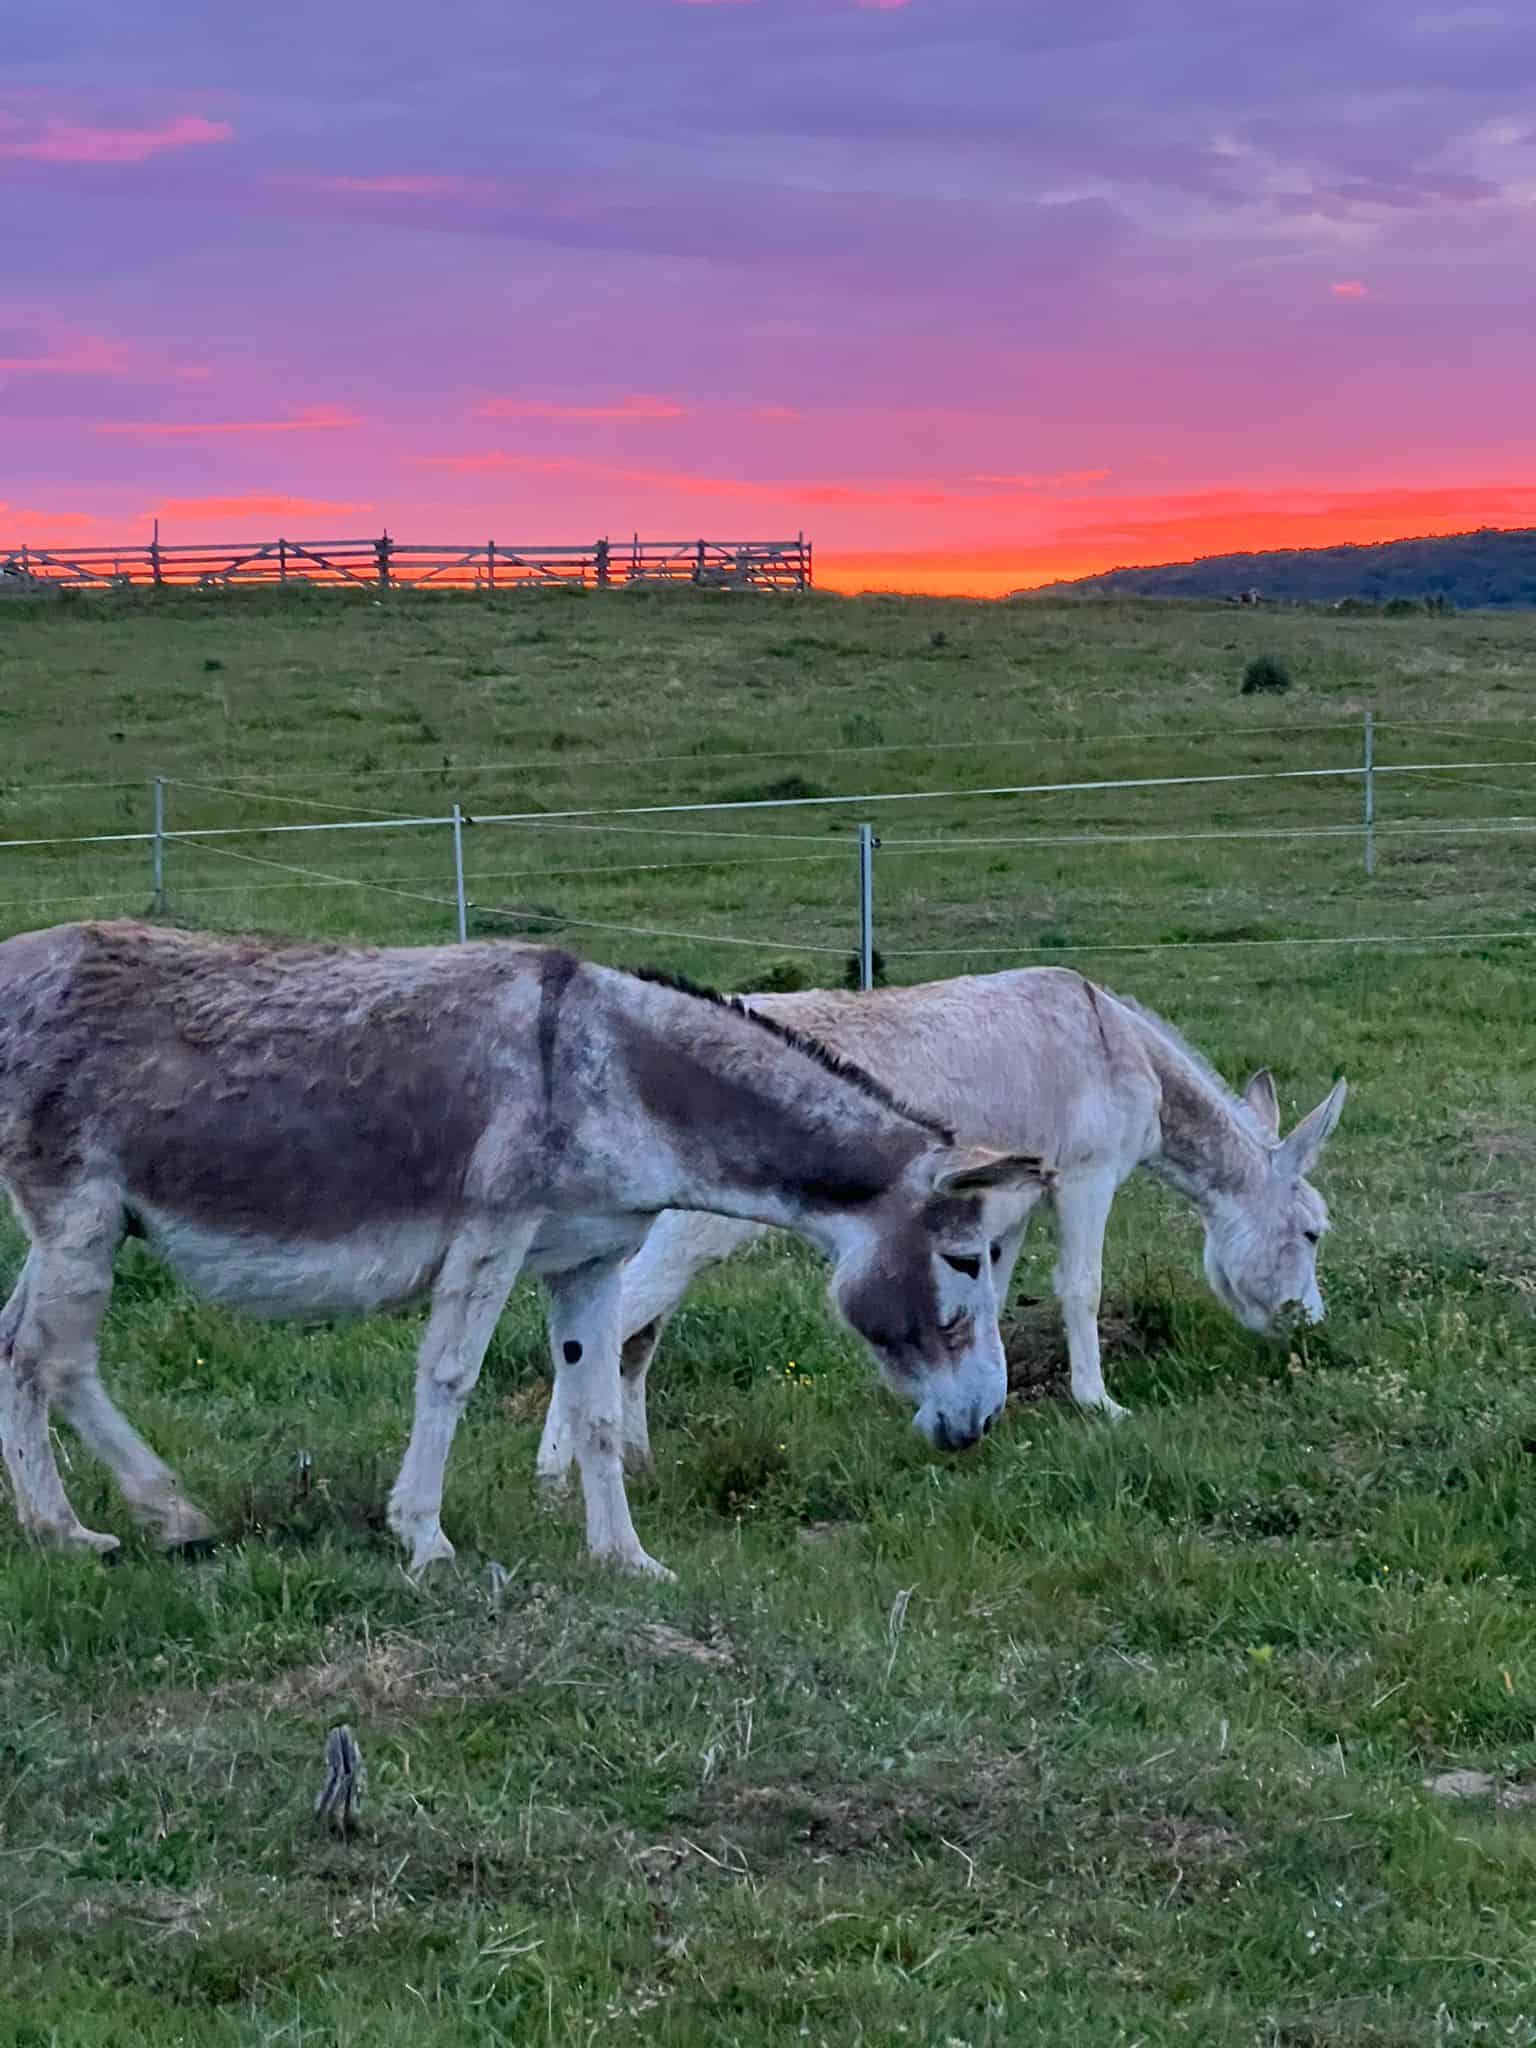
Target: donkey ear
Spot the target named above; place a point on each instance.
(976, 1168)
(1299, 1154)
(1261, 1098)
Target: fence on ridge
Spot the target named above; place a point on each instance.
(389, 564)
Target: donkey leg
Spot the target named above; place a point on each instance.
(1083, 1203)
(470, 1294)
(151, 1488)
(47, 1344)
(680, 1245)
(584, 1341)
(557, 1446)
(70, 1283)
(42, 1506)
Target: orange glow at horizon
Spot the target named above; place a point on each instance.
(1075, 537)
(1153, 532)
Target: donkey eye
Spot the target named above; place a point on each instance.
(1313, 1236)
(997, 1253)
(970, 1267)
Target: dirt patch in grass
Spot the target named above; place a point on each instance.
(1035, 1343)
(150, 1906)
(787, 1820)
(1503, 1141)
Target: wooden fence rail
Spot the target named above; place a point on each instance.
(387, 564)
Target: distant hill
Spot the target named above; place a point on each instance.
(1489, 567)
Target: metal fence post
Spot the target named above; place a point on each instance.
(867, 845)
(461, 902)
(1370, 793)
(157, 901)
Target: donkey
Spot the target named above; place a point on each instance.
(316, 1130)
(1042, 1059)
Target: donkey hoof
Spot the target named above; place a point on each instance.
(74, 1536)
(1111, 1411)
(434, 1549)
(637, 1562)
(184, 1528)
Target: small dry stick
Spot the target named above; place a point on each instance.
(345, 1777)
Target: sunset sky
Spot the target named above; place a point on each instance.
(975, 292)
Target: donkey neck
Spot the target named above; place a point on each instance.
(756, 1125)
(1206, 1147)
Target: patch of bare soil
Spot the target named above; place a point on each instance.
(1508, 1794)
(1508, 1141)
(662, 1642)
(1035, 1343)
(970, 1809)
(1498, 1214)
(148, 1906)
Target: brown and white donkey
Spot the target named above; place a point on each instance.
(317, 1130)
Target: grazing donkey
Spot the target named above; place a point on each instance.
(316, 1130)
(1042, 1059)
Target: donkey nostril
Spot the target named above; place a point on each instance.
(986, 1427)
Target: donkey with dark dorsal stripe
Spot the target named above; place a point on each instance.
(317, 1130)
(1045, 1060)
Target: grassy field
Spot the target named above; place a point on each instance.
(1098, 1736)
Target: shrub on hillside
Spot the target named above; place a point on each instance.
(1264, 673)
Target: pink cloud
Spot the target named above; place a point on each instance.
(39, 529)
(66, 142)
(1350, 289)
(315, 419)
(637, 407)
(1041, 483)
(70, 355)
(48, 350)
(920, 492)
(191, 513)
(393, 187)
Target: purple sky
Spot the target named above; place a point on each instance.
(968, 290)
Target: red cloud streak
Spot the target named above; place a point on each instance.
(66, 142)
(315, 419)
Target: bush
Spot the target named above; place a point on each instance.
(1265, 673)
(780, 977)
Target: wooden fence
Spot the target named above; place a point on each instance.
(387, 564)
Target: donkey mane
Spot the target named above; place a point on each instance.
(834, 1063)
(1176, 1042)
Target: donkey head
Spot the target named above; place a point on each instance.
(1261, 1241)
(914, 1276)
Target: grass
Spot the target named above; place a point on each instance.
(1099, 1736)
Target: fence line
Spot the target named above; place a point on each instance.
(387, 564)
(1413, 828)
(607, 819)
(545, 819)
(336, 881)
(1410, 939)
(266, 796)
